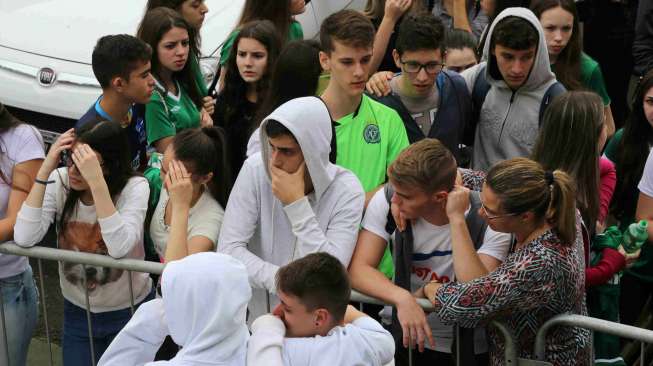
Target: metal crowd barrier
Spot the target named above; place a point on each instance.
(599, 325)
(60, 255)
(132, 265)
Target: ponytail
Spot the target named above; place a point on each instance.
(522, 185)
(204, 151)
(220, 184)
(561, 212)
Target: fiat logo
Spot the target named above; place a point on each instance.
(46, 76)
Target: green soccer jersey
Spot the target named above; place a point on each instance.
(369, 140)
(167, 114)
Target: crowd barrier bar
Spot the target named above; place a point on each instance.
(599, 325)
(133, 265)
(59, 255)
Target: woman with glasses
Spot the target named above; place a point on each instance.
(99, 205)
(572, 67)
(541, 277)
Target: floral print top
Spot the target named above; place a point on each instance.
(542, 279)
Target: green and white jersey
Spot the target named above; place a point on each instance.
(166, 113)
(369, 140)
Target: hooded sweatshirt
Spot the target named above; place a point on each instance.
(203, 309)
(263, 233)
(509, 120)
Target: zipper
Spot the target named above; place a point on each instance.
(503, 124)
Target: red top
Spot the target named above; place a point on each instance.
(611, 260)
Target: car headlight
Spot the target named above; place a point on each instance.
(208, 68)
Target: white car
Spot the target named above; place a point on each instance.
(46, 77)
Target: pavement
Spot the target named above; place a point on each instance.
(39, 353)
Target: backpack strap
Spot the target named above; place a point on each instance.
(402, 256)
(391, 225)
(464, 350)
(553, 91)
(475, 224)
(479, 92)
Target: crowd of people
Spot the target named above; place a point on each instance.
(461, 152)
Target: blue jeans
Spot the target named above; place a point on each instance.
(76, 345)
(20, 301)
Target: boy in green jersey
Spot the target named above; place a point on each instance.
(368, 135)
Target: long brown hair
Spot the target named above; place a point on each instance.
(567, 66)
(522, 186)
(568, 140)
(156, 23)
(276, 11)
(235, 87)
(631, 154)
(176, 5)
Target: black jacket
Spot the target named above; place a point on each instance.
(454, 112)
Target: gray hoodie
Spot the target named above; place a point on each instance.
(509, 121)
(263, 233)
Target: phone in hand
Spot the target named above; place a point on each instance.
(65, 159)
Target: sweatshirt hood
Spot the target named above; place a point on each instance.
(205, 298)
(310, 122)
(541, 71)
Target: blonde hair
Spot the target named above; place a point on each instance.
(427, 165)
(522, 185)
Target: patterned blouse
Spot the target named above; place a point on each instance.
(542, 279)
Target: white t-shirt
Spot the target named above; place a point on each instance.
(646, 183)
(204, 219)
(18, 145)
(433, 260)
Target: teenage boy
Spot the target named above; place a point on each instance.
(431, 102)
(511, 90)
(320, 327)
(420, 182)
(289, 200)
(121, 64)
(369, 135)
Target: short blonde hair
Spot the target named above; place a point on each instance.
(427, 165)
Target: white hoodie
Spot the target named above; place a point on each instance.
(203, 309)
(362, 342)
(509, 121)
(263, 234)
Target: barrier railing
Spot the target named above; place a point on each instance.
(132, 265)
(43, 253)
(599, 325)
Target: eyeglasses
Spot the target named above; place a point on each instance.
(492, 217)
(415, 67)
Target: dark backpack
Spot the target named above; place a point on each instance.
(402, 253)
(482, 87)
